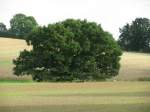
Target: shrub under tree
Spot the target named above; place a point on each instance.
(68, 51)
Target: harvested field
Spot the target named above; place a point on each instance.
(75, 97)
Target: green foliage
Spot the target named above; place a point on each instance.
(136, 36)
(3, 30)
(21, 24)
(3, 27)
(68, 51)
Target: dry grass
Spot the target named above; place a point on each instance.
(11, 47)
(134, 66)
(9, 50)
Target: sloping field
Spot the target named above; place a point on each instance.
(9, 50)
(133, 65)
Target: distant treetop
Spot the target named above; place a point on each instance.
(136, 36)
(3, 27)
(21, 24)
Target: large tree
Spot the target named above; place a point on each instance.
(69, 50)
(136, 36)
(21, 24)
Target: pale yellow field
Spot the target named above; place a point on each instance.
(133, 65)
(9, 50)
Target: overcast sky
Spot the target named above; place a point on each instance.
(111, 14)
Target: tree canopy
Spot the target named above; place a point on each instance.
(21, 24)
(69, 50)
(136, 36)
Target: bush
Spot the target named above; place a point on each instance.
(72, 50)
(144, 79)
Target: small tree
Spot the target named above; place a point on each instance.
(21, 24)
(3, 27)
(69, 50)
(136, 36)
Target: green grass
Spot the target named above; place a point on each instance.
(15, 81)
(81, 108)
(75, 97)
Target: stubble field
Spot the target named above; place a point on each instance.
(75, 97)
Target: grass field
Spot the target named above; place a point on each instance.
(9, 50)
(75, 97)
(119, 96)
(134, 66)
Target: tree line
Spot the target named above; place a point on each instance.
(133, 36)
(136, 36)
(20, 26)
